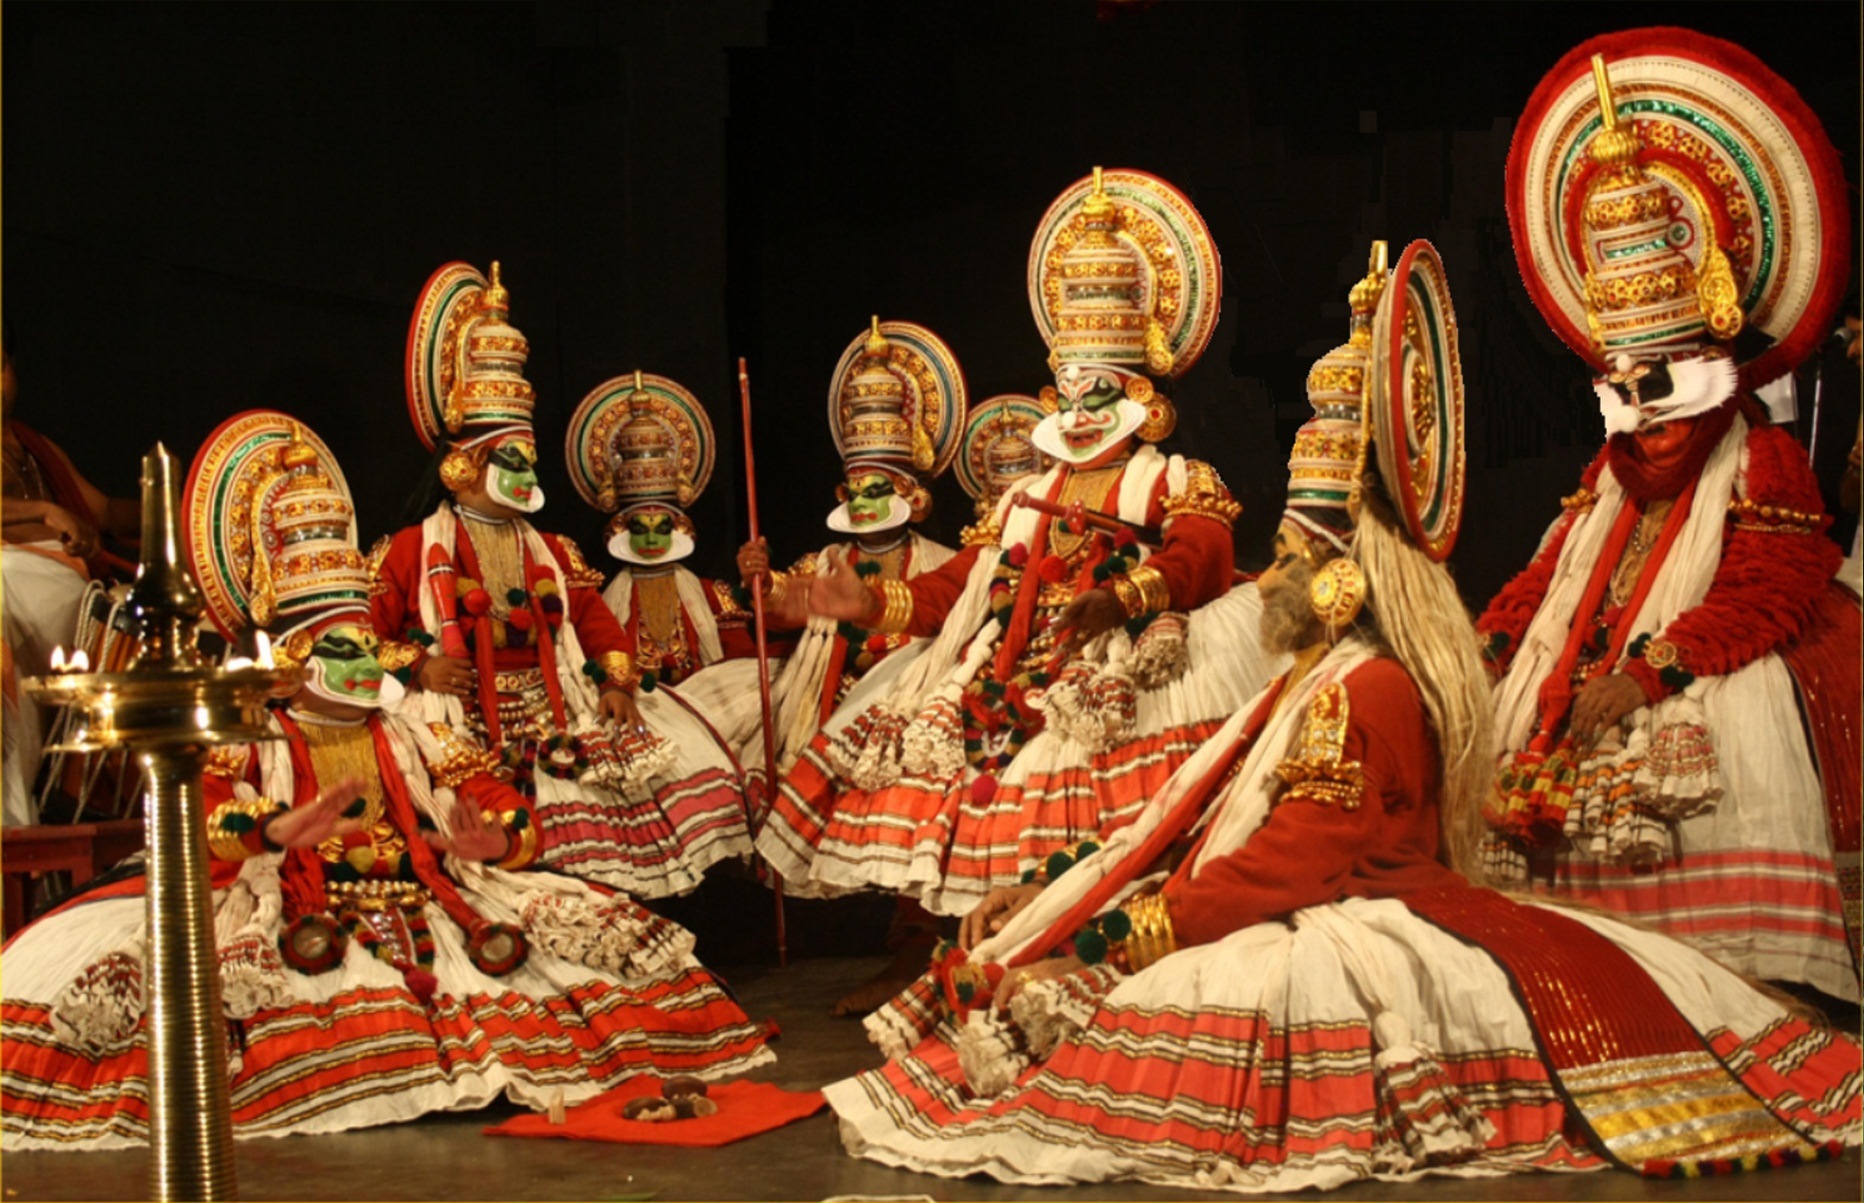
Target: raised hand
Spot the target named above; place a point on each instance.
(319, 820)
(842, 595)
(473, 838)
(997, 909)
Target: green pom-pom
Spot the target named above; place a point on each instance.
(1115, 925)
(516, 597)
(1029, 875)
(404, 674)
(520, 819)
(1087, 848)
(994, 688)
(1638, 645)
(1102, 571)
(966, 992)
(850, 632)
(1090, 946)
(354, 809)
(1057, 864)
(238, 823)
(1135, 627)
(867, 568)
(416, 635)
(650, 682)
(742, 596)
(594, 671)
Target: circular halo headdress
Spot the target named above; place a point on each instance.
(1710, 185)
(896, 401)
(271, 528)
(639, 438)
(1123, 273)
(996, 448)
(465, 362)
(1414, 400)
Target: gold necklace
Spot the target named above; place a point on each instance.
(339, 753)
(501, 562)
(1089, 487)
(657, 600)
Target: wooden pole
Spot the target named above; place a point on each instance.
(759, 586)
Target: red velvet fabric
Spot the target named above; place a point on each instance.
(744, 1109)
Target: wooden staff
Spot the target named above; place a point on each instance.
(1080, 518)
(758, 586)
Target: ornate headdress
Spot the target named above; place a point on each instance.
(1677, 213)
(640, 440)
(465, 365)
(1125, 285)
(997, 448)
(895, 404)
(1394, 390)
(271, 533)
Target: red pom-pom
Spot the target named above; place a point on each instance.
(422, 983)
(1019, 555)
(520, 620)
(983, 789)
(1053, 569)
(477, 602)
(877, 643)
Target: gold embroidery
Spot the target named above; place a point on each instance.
(230, 845)
(576, 571)
(340, 753)
(1319, 770)
(377, 556)
(727, 601)
(226, 760)
(1204, 496)
(458, 759)
(396, 656)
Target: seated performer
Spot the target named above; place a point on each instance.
(374, 968)
(1273, 979)
(1654, 760)
(517, 645)
(54, 524)
(970, 766)
(895, 405)
(998, 450)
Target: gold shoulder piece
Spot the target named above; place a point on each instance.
(1319, 770)
(377, 556)
(395, 656)
(804, 565)
(576, 571)
(1204, 495)
(727, 600)
(227, 761)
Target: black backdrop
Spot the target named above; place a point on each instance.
(210, 207)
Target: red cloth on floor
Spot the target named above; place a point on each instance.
(744, 1109)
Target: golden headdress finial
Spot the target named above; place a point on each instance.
(876, 342)
(496, 299)
(1615, 146)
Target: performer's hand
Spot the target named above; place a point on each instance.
(618, 707)
(998, 908)
(473, 838)
(448, 674)
(309, 825)
(753, 560)
(1602, 701)
(1088, 615)
(78, 536)
(842, 595)
(1029, 975)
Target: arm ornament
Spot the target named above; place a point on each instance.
(521, 834)
(896, 602)
(377, 555)
(226, 760)
(236, 829)
(618, 669)
(987, 533)
(1319, 770)
(726, 598)
(804, 565)
(576, 571)
(1142, 591)
(1204, 496)
(1151, 938)
(1750, 515)
(396, 656)
(458, 760)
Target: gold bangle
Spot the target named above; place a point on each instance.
(620, 669)
(1152, 936)
(777, 588)
(896, 612)
(523, 842)
(1153, 590)
(230, 845)
(1131, 600)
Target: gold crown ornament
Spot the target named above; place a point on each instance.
(465, 361)
(997, 449)
(1672, 200)
(895, 402)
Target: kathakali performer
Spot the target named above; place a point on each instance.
(1061, 682)
(516, 644)
(998, 450)
(1275, 978)
(896, 403)
(383, 953)
(1678, 703)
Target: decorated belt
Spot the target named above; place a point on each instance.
(374, 894)
(519, 681)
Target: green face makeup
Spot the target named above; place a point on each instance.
(870, 498)
(351, 670)
(650, 534)
(514, 475)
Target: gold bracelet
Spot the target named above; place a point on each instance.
(1131, 600)
(620, 669)
(896, 607)
(523, 842)
(230, 845)
(1152, 937)
(1153, 590)
(777, 587)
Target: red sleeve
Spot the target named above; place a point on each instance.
(487, 793)
(1771, 576)
(935, 592)
(1314, 849)
(394, 597)
(1197, 560)
(1506, 620)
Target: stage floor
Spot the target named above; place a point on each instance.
(446, 1157)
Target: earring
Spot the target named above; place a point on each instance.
(1161, 419)
(1337, 593)
(458, 471)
